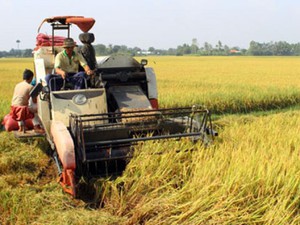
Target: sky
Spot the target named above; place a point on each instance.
(161, 24)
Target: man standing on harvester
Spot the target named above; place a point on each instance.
(67, 67)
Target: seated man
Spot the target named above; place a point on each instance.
(67, 68)
(20, 109)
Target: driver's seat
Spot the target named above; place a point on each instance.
(87, 50)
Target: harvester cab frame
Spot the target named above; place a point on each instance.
(93, 131)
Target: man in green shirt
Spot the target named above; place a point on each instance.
(67, 68)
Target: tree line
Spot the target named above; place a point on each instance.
(280, 48)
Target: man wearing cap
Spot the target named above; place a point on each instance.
(67, 66)
(20, 111)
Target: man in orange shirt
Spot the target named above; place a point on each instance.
(20, 110)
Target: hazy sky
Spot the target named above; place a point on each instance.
(159, 24)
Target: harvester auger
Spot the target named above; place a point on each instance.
(93, 131)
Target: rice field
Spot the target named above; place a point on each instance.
(250, 175)
(228, 84)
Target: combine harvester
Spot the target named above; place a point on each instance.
(93, 131)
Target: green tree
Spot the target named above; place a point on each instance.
(219, 45)
(282, 48)
(100, 49)
(207, 48)
(255, 48)
(116, 48)
(151, 49)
